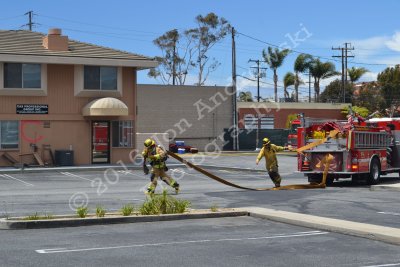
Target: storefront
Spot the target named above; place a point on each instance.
(59, 96)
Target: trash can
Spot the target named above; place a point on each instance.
(64, 157)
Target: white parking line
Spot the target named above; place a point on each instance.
(389, 213)
(384, 265)
(75, 176)
(7, 176)
(299, 234)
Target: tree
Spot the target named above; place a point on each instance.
(301, 64)
(333, 91)
(245, 96)
(369, 95)
(288, 80)
(274, 59)
(356, 73)
(173, 66)
(210, 30)
(364, 112)
(389, 81)
(321, 70)
(182, 52)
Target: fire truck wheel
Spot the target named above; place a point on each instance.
(374, 172)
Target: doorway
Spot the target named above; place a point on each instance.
(100, 142)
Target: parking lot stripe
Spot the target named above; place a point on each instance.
(389, 213)
(16, 179)
(384, 265)
(75, 176)
(298, 234)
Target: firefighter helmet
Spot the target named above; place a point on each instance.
(266, 141)
(149, 142)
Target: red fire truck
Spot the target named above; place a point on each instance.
(364, 150)
(292, 137)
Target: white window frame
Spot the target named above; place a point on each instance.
(19, 134)
(79, 82)
(42, 91)
(122, 124)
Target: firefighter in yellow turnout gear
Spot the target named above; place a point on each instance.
(156, 155)
(271, 162)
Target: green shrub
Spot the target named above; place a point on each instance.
(100, 211)
(163, 204)
(127, 210)
(82, 212)
(214, 208)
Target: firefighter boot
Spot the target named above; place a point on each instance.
(175, 185)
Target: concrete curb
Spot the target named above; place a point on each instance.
(7, 224)
(375, 232)
(393, 187)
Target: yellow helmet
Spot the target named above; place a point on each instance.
(149, 142)
(266, 141)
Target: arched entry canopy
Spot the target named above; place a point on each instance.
(107, 106)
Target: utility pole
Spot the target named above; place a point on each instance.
(257, 61)
(344, 57)
(30, 23)
(309, 86)
(347, 48)
(234, 96)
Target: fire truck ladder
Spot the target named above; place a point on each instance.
(326, 160)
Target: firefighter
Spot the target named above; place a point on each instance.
(157, 157)
(271, 163)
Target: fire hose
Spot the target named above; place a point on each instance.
(326, 160)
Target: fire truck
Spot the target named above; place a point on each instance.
(361, 150)
(292, 137)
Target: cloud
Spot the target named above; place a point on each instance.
(394, 42)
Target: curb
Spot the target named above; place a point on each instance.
(75, 222)
(370, 231)
(392, 187)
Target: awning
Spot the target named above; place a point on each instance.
(107, 106)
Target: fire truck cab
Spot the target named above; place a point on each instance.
(361, 150)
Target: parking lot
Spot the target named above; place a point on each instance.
(239, 241)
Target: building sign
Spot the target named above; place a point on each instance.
(32, 109)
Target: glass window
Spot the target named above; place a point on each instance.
(122, 133)
(100, 78)
(9, 134)
(18, 75)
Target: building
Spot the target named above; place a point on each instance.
(196, 115)
(271, 115)
(63, 95)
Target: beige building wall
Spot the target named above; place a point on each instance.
(66, 127)
(196, 115)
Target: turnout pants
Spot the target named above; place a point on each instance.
(160, 172)
(275, 176)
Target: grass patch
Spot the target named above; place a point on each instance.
(163, 204)
(214, 208)
(127, 210)
(36, 216)
(82, 212)
(100, 211)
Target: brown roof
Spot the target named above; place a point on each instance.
(22, 42)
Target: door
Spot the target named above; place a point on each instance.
(100, 142)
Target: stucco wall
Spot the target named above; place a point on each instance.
(196, 115)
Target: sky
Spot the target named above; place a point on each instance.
(372, 27)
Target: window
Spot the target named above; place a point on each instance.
(100, 78)
(9, 134)
(21, 75)
(122, 132)
(252, 122)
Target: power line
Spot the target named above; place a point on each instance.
(257, 61)
(320, 57)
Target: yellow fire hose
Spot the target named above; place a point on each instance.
(327, 159)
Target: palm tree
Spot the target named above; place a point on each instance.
(356, 73)
(288, 80)
(274, 58)
(301, 64)
(321, 70)
(245, 96)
